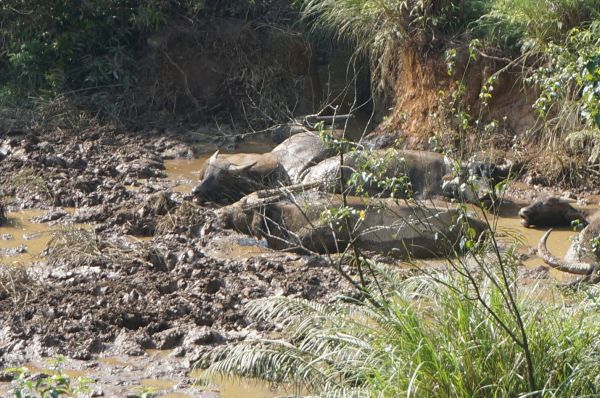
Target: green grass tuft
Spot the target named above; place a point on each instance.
(430, 339)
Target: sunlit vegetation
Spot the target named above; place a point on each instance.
(428, 337)
(553, 43)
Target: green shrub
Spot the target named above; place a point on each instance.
(539, 22)
(57, 46)
(64, 45)
(431, 338)
(569, 89)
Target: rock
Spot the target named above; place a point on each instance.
(142, 168)
(45, 147)
(4, 152)
(91, 214)
(54, 161)
(50, 215)
(201, 336)
(100, 291)
(14, 251)
(32, 236)
(86, 184)
(157, 204)
(167, 339)
(127, 344)
(131, 297)
(178, 151)
(77, 163)
(178, 352)
(569, 195)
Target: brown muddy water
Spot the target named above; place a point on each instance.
(22, 231)
(203, 385)
(510, 228)
(184, 172)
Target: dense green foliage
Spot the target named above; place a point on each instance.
(53, 47)
(430, 338)
(560, 45)
(536, 23)
(63, 45)
(569, 89)
(56, 46)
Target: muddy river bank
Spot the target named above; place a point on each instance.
(105, 255)
(107, 260)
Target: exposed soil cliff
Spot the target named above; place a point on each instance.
(427, 99)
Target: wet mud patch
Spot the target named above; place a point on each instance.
(153, 271)
(100, 294)
(21, 240)
(162, 373)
